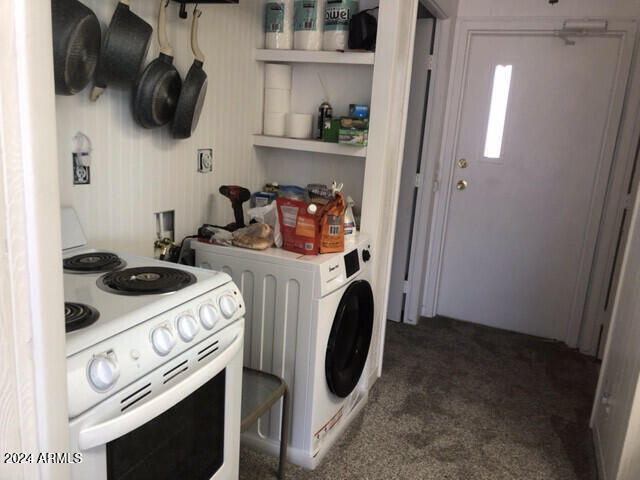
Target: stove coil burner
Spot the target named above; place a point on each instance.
(145, 281)
(78, 315)
(93, 262)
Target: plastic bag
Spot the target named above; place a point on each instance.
(299, 227)
(331, 226)
(269, 215)
(256, 236)
(214, 235)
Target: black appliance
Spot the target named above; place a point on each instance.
(363, 29)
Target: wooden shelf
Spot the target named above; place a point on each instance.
(307, 56)
(309, 145)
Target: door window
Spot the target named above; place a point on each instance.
(497, 111)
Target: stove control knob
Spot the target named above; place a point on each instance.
(228, 305)
(103, 371)
(162, 340)
(366, 255)
(208, 316)
(187, 327)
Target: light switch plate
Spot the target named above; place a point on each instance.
(205, 160)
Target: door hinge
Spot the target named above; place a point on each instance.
(436, 185)
(405, 286)
(418, 183)
(430, 62)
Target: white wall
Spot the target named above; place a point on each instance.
(302, 168)
(569, 8)
(136, 172)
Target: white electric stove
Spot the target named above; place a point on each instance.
(154, 365)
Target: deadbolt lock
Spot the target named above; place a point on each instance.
(462, 163)
(461, 185)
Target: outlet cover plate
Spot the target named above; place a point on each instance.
(81, 173)
(205, 160)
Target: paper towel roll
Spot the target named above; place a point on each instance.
(278, 24)
(337, 15)
(278, 76)
(335, 40)
(276, 100)
(299, 125)
(274, 124)
(308, 25)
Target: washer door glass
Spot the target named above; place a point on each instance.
(350, 338)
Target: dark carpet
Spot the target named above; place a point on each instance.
(462, 401)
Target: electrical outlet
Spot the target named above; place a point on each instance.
(81, 171)
(205, 160)
(165, 224)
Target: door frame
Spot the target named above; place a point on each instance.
(32, 333)
(465, 29)
(411, 183)
(605, 259)
(429, 167)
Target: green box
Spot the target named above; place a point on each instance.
(331, 130)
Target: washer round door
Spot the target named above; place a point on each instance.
(350, 337)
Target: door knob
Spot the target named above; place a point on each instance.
(461, 185)
(463, 163)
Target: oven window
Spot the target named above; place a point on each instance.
(186, 441)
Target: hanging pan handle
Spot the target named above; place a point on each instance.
(163, 40)
(197, 53)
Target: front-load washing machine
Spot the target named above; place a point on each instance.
(310, 320)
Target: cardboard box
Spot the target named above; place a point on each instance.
(354, 136)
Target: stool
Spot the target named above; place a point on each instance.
(260, 391)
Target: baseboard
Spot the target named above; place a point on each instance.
(599, 457)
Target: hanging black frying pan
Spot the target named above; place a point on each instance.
(156, 93)
(194, 89)
(124, 50)
(76, 45)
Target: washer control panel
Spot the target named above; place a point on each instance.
(339, 269)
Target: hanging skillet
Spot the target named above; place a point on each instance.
(124, 50)
(155, 96)
(76, 45)
(194, 89)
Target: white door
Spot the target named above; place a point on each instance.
(533, 145)
(420, 77)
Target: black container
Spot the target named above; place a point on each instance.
(324, 112)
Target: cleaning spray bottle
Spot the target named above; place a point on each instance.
(325, 112)
(349, 218)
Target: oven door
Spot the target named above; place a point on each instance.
(163, 427)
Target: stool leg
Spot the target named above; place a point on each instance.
(284, 434)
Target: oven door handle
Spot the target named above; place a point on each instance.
(105, 432)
